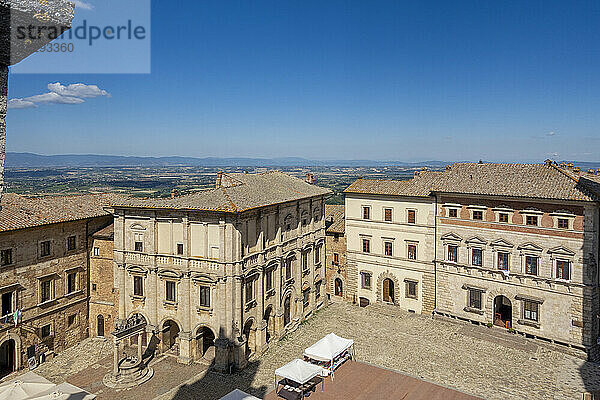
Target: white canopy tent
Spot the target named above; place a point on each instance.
(24, 386)
(64, 391)
(329, 348)
(237, 394)
(300, 372)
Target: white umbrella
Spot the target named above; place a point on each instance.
(64, 391)
(237, 394)
(24, 386)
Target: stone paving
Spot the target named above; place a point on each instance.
(477, 360)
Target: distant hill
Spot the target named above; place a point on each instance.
(31, 160)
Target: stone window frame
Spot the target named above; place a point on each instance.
(77, 271)
(50, 248)
(476, 243)
(250, 280)
(563, 215)
(365, 240)
(532, 213)
(200, 281)
(46, 278)
(96, 251)
(384, 212)
(369, 215)
(385, 242)
(14, 291)
(503, 210)
(318, 288)
(561, 254)
(50, 327)
(75, 322)
(451, 239)
(174, 277)
(179, 245)
(137, 272)
(447, 252)
(288, 261)
(67, 249)
(472, 258)
(333, 259)
(370, 275)
(138, 237)
(318, 257)
(453, 206)
(407, 284)
(167, 282)
(502, 246)
(408, 211)
(12, 256)
(482, 293)
(535, 323)
(409, 243)
(476, 208)
(506, 253)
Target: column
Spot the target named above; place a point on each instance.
(260, 337)
(115, 357)
(120, 270)
(3, 104)
(139, 347)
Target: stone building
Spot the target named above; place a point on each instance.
(390, 228)
(336, 267)
(511, 245)
(517, 247)
(44, 274)
(104, 296)
(226, 269)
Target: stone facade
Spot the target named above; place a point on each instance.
(396, 266)
(339, 285)
(104, 297)
(562, 306)
(217, 284)
(45, 277)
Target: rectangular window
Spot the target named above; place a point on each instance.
(96, 251)
(45, 290)
(94, 287)
(365, 278)
(336, 259)
(477, 257)
(387, 215)
(411, 289)
(453, 213)
(138, 246)
(170, 291)
(531, 265)
(475, 299)
(317, 290)
(71, 319)
(531, 310)
(288, 269)
(411, 217)
(269, 280)
(563, 269)
(204, 296)
(366, 246)
(478, 214)
(45, 331)
(503, 217)
(249, 290)
(317, 254)
(563, 223)
(453, 253)
(531, 220)
(305, 261)
(138, 286)
(71, 243)
(306, 297)
(179, 249)
(388, 248)
(45, 248)
(6, 257)
(366, 212)
(7, 303)
(412, 251)
(503, 258)
(71, 282)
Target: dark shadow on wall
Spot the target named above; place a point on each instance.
(590, 370)
(214, 385)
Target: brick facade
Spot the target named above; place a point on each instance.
(104, 296)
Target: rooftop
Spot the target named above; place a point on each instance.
(334, 219)
(108, 232)
(236, 193)
(539, 181)
(20, 212)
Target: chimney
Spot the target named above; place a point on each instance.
(309, 178)
(174, 193)
(219, 179)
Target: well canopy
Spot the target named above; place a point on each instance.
(328, 348)
(298, 371)
(237, 394)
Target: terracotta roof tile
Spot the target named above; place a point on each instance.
(335, 218)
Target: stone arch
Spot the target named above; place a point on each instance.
(133, 339)
(170, 329)
(335, 276)
(17, 349)
(250, 336)
(204, 336)
(383, 276)
(269, 320)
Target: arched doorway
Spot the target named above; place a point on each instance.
(502, 312)
(388, 290)
(100, 325)
(339, 287)
(287, 311)
(170, 334)
(205, 342)
(250, 335)
(7, 357)
(270, 321)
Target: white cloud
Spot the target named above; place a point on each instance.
(60, 94)
(54, 98)
(77, 90)
(551, 133)
(20, 103)
(84, 5)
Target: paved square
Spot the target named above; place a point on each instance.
(485, 362)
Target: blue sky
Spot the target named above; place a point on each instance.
(393, 80)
